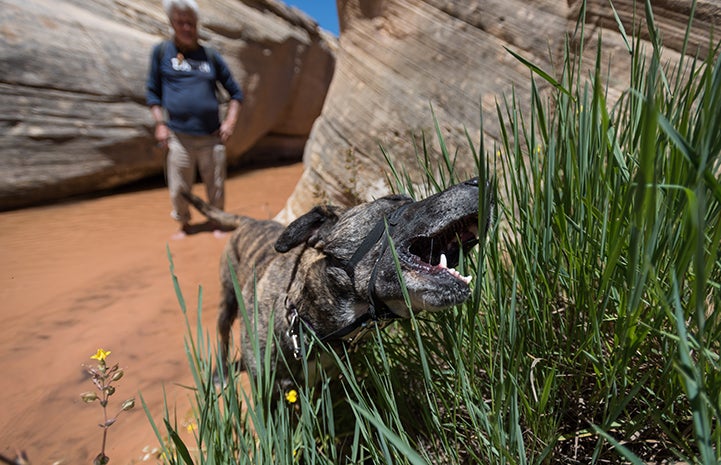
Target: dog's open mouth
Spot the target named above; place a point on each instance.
(441, 252)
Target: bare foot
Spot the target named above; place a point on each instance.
(218, 234)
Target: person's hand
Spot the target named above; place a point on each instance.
(162, 133)
(226, 130)
(228, 125)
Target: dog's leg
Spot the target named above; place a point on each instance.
(227, 315)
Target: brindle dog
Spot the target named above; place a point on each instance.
(332, 270)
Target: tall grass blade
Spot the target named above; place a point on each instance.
(179, 444)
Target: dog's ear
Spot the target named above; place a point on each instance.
(306, 227)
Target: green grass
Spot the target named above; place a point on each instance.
(594, 328)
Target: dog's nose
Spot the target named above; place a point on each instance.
(472, 182)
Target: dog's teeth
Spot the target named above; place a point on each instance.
(465, 279)
(443, 263)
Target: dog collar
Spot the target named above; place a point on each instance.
(349, 335)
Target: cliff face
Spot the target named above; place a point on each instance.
(72, 77)
(399, 58)
(72, 88)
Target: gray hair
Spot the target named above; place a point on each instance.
(170, 5)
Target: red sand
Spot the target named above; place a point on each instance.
(94, 273)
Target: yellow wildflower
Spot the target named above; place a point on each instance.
(291, 396)
(101, 355)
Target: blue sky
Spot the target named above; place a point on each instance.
(322, 11)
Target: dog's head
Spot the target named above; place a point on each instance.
(359, 246)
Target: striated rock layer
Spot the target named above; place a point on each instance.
(72, 74)
(399, 58)
(72, 77)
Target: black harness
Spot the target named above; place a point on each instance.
(378, 313)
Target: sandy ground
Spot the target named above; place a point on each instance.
(94, 273)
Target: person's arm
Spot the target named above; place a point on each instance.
(153, 98)
(236, 97)
(162, 133)
(231, 118)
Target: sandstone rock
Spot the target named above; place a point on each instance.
(72, 76)
(396, 58)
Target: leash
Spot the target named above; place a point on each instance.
(378, 313)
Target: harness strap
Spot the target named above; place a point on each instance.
(378, 313)
(350, 334)
(373, 303)
(370, 240)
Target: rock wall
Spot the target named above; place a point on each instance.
(397, 58)
(72, 77)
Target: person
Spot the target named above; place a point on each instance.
(182, 82)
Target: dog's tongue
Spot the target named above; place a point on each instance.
(444, 264)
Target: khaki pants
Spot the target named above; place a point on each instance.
(185, 153)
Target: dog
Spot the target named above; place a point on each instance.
(335, 271)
